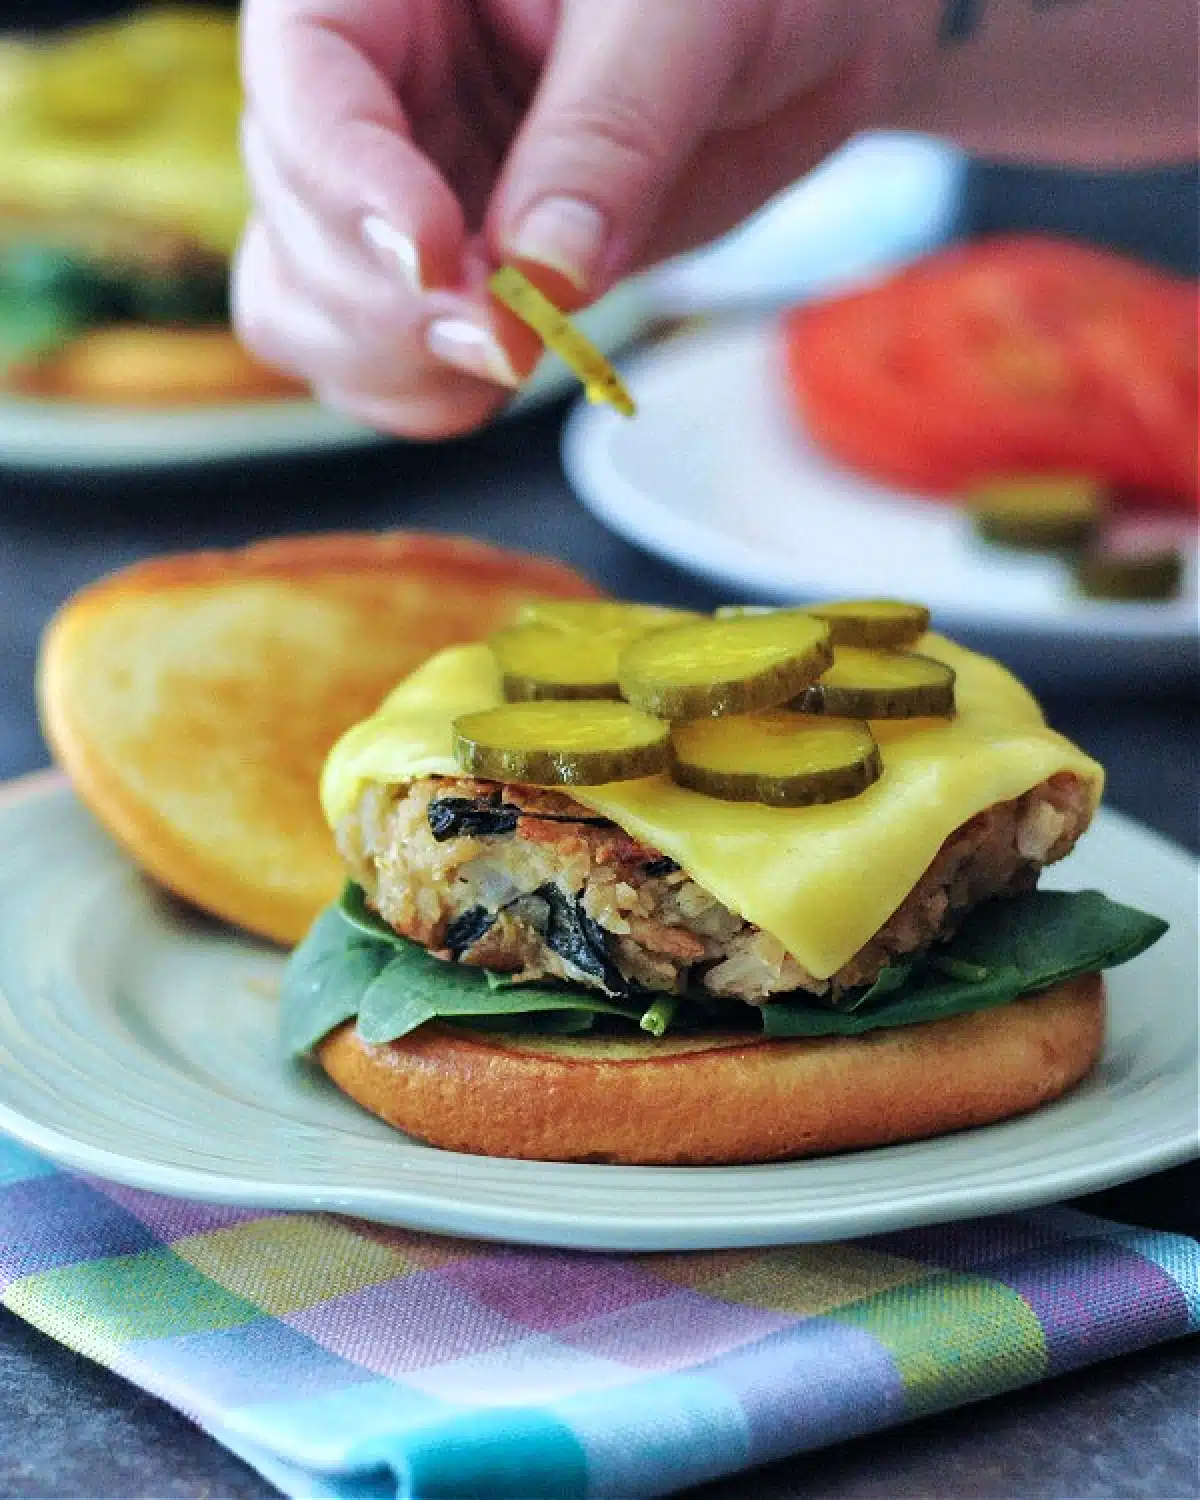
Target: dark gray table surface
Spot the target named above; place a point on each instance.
(70, 1430)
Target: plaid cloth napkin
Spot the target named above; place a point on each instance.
(343, 1358)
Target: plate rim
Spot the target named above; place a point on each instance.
(639, 517)
(431, 1209)
(149, 439)
(584, 1230)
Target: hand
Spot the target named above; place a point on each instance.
(399, 149)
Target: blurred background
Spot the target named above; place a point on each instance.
(132, 423)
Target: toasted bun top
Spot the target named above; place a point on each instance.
(192, 699)
(722, 1099)
(143, 365)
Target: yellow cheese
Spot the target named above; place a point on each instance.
(822, 880)
(136, 119)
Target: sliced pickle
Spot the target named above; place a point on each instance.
(725, 666)
(537, 661)
(1138, 560)
(568, 648)
(601, 383)
(881, 685)
(881, 624)
(779, 758)
(602, 616)
(1037, 513)
(561, 744)
(875, 623)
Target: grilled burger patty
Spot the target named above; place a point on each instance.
(111, 241)
(527, 882)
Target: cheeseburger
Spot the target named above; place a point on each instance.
(632, 885)
(122, 198)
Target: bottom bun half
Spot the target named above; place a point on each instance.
(154, 365)
(722, 1099)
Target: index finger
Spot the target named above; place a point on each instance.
(317, 76)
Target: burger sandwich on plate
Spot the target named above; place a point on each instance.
(627, 884)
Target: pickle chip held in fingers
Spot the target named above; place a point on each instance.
(537, 661)
(601, 383)
(732, 666)
(878, 623)
(780, 758)
(562, 744)
(865, 684)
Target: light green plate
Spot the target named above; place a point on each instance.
(137, 1042)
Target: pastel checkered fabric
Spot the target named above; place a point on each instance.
(343, 1358)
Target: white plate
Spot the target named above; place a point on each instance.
(137, 1042)
(717, 476)
(66, 435)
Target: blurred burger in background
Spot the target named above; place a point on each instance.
(121, 200)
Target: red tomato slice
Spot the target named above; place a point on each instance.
(1007, 355)
(869, 409)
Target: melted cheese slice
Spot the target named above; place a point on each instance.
(161, 183)
(823, 880)
(173, 165)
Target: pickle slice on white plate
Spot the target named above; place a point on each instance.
(1138, 559)
(1037, 513)
(732, 666)
(781, 758)
(583, 743)
(865, 684)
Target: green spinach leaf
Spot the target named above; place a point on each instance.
(1051, 935)
(324, 981)
(925, 997)
(29, 330)
(352, 963)
(893, 978)
(414, 987)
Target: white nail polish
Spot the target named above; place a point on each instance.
(567, 235)
(399, 248)
(472, 349)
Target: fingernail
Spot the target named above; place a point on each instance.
(471, 349)
(398, 248)
(567, 235)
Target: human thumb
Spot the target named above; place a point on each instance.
(629, 90)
